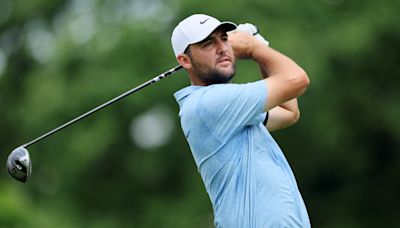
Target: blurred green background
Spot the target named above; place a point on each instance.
(130, 166)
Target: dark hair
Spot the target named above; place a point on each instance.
(188, 52)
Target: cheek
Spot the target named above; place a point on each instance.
(204, 60)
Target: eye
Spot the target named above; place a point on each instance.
(206, 43)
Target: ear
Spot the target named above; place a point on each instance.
(184, 61)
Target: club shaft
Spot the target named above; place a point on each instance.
(149, 82)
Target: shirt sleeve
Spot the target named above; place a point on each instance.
(228, 108)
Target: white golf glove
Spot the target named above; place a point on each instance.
(252, 30)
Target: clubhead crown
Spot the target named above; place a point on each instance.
(19, 164)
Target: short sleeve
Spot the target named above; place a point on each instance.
(228, 108)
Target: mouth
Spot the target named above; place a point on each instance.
(224, 60)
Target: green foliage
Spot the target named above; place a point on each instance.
(59, 59)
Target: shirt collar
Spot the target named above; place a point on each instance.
(183, 93)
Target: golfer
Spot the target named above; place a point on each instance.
(227, 126)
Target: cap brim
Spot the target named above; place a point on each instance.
(226, 26)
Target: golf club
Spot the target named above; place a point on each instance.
(19, 164)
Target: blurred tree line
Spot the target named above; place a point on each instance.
(130, 166)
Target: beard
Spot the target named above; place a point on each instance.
(211, 76)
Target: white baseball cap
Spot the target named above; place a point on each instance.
(195, 28)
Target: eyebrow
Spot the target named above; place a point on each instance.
(207, 39)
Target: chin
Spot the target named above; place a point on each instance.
(229, 71)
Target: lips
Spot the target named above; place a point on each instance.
(224, 59)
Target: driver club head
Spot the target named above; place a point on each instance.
(19, 164)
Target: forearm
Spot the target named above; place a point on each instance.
(291, 106)
(283, 116)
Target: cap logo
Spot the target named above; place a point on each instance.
(202, 22)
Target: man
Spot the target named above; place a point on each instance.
(246, 175)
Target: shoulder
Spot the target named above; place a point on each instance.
(225, 92)
(220, 97)
(223, 89)
(216, 94)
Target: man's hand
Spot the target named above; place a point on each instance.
(243, 44)
(252, 30)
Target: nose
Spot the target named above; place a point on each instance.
(221, 46)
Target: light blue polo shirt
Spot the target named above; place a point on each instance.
(246, 175)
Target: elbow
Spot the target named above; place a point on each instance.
(301, 82)
(296, 117)
(304, 80)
